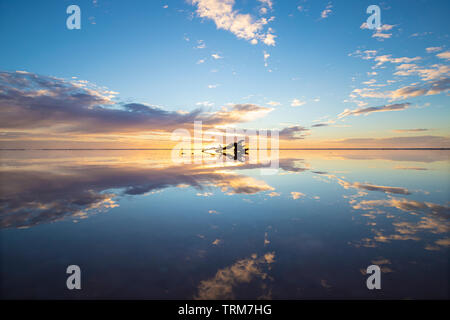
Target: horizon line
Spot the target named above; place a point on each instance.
(131, 149)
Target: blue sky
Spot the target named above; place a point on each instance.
(171, 55)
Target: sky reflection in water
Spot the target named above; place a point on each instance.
(140, 226)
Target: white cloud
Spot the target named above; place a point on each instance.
(266, 56)
(379, 32)
(433, 72)
(216, 56)
(297, 103)
(388, 58)
(243, 26)
(205, 103)
(212, 86)
(429, 88)
(433, 49)
(382, 35)
(444, 55)
(200, 44)
(269, 39)
(274, 194)
(267, 3)
(273, 103)
(325, 13)
(200, 61)
(297, 195)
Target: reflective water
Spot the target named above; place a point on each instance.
(140, 226)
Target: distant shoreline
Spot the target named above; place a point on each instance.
(161, 149)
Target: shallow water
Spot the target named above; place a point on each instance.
(141, 226)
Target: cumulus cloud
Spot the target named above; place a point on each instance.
(243, 26)
(29, 101)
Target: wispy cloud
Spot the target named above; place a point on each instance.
(366, 111)
(293, 132)
(444, 55)
(266, 56)
(379, 32)
(416, 90)
(410, 168)
(410, 130)
(205, 103)
(430, 88)
(297, 103)
(388, 58)
(433, 49)
(297, 195)
(200, 44)
(318, 125)
(273, 103)
(327, 11)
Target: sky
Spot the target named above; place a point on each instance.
(138, 70)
